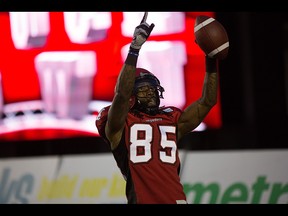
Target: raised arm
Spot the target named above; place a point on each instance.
(195, 113)
(123, 90)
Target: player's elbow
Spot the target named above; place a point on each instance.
(212, 102)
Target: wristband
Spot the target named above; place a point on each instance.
(131, 59)
(211, 65)
(133, 53)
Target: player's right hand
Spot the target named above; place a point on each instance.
(141, 33)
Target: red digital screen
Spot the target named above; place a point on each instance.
(58, 69)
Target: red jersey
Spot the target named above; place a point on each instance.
(148, 157)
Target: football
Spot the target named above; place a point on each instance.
(211, 37)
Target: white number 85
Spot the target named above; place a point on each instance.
(147, 142)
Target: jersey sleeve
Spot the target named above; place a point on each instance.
(175, 112)
(101, 122)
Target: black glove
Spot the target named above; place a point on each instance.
(141, 34)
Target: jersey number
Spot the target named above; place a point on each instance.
(146, 143)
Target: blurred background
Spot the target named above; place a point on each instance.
(58, 69)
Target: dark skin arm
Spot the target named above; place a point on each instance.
(120, 105)
(195, 113)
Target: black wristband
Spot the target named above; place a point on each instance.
(134, 51)
(131, 59)
(132, 56)
(211, 65)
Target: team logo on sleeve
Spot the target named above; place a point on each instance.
(168, 110)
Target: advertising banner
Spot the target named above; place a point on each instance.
(236, 177)
(208, 177)
(88, 179)
(22, 179)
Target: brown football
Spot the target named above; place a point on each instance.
(211, 37)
